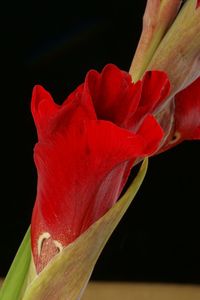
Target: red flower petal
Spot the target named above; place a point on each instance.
(43, 109)
(187, 112)
(117, 99)
(149, 125)
(186, 116)
(114, 96)
(83, 163)
(155, 88)
(48, 115)
(80, 176)
(198, 3)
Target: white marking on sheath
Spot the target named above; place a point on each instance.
(43, 236)
(58, 245)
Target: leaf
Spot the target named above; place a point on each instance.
(16, 277)
(67, 274)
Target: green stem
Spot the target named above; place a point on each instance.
(14, 281)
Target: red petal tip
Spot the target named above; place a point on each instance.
(38, 95)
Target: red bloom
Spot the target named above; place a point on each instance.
(186, 117)
(86, 149)
(198, 3)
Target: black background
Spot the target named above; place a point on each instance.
(55, 44)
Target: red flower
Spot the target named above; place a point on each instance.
(186, 116)
(86, 149)
(198, 3)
